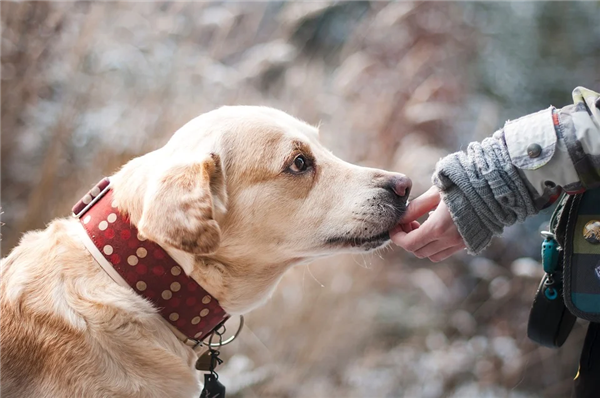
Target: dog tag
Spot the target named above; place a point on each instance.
(204, 362)
(212, 387)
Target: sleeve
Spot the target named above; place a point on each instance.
(521, 169)
(558, 147)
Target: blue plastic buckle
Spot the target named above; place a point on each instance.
(549, 253)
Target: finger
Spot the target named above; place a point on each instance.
(399, 228)
(433, 248)
(414, 240)
(411, 226)
(406, 228)
(444, 254)
(422, 205)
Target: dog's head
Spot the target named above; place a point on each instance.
(253, 189)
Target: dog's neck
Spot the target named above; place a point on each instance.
(239, 285)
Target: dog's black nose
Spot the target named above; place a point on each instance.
(399, 184)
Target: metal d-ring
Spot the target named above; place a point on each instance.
(229, 340)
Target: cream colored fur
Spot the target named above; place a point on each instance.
(224, 198)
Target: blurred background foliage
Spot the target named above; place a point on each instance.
(88, 86)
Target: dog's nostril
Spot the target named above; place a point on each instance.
(400, 185)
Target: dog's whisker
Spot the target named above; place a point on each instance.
(311, 274)
(303, 277)
(356, 262)
(365, 265)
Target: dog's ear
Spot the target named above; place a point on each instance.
(179, 208)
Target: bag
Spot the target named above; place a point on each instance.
(571, 260)
(582, 256)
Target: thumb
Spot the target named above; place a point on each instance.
(421, 205)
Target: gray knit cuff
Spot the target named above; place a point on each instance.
(483, 191)
(474, 232)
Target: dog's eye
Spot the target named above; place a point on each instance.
(300, 164)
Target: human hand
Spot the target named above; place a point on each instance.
(437, 238)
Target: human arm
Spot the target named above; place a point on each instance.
(515, 173)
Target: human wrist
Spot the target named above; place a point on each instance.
(483, 192)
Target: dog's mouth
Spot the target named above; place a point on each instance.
(371, 235)
(368, 243)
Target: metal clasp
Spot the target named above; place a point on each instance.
(229, 340)
(547, 234)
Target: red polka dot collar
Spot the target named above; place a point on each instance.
(146, 267)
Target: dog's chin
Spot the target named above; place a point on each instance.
(360, 243)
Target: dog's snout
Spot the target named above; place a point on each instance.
(399, 184)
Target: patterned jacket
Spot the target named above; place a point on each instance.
(522, 168)
(558, 147)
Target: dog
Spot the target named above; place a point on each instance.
(236, 197)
